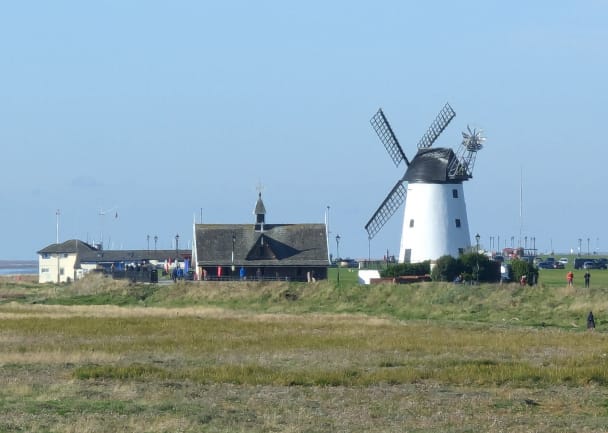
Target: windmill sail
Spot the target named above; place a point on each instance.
(441, 122)
(389, 206)
(387, 137)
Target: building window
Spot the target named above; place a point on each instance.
(46, 256)
(455, 193)
(460, 251)
(43, 270)
(408, 255)
(458, 222)
(65, 255)
(411, 223)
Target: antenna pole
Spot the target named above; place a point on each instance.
(57, 213)
(521, 202)
(327, 232)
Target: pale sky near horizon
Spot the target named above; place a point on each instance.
(156, 111)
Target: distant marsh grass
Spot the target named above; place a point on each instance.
(344, 350)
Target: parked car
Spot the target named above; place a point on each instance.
(545, 265)
(589, 265)
(558, 265)
(563, 261)
(580, 261)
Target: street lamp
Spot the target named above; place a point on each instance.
(338, 256)
(477, 237)
(155, 240)
(176, 248)
(233, 241)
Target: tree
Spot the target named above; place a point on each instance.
(447, 268)
(523, 267)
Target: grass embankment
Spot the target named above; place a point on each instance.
(300, 357)
(547, 304)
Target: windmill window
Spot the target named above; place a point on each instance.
(455, 193)
(408, 255)
(458, 222)
(411, 223)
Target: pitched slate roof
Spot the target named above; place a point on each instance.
(68, 247)
(277, 245)
(107, 256)
(89, 254)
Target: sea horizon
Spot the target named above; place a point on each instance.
(18, 267)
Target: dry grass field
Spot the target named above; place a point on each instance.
(102, 356)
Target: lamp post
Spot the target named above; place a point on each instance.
(155, 240)
(148, 239)
(579, 246)
(477, 237)
(233, 241)
(57, 242)
(338, 256)
(176, 248)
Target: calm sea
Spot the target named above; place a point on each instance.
(18, 267)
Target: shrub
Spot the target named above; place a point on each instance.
(447, 268)
(400, 269)
(523, 267)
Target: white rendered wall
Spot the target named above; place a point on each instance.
(434, 211)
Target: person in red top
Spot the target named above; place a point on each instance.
(570, 278)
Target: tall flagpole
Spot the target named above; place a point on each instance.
(57, 213)
(327, 232)
(521, 203)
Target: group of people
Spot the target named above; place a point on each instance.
(587, 278)
(570, 278)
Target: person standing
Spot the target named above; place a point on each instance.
(587, 278)
(570, 278)
(590, 321)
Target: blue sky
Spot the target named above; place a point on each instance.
(156, 110)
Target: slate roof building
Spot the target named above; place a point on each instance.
(294, 252)
(57, 263)
(72, 259)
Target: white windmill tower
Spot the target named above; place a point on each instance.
(435, 218)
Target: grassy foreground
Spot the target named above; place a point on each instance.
(103, 356)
